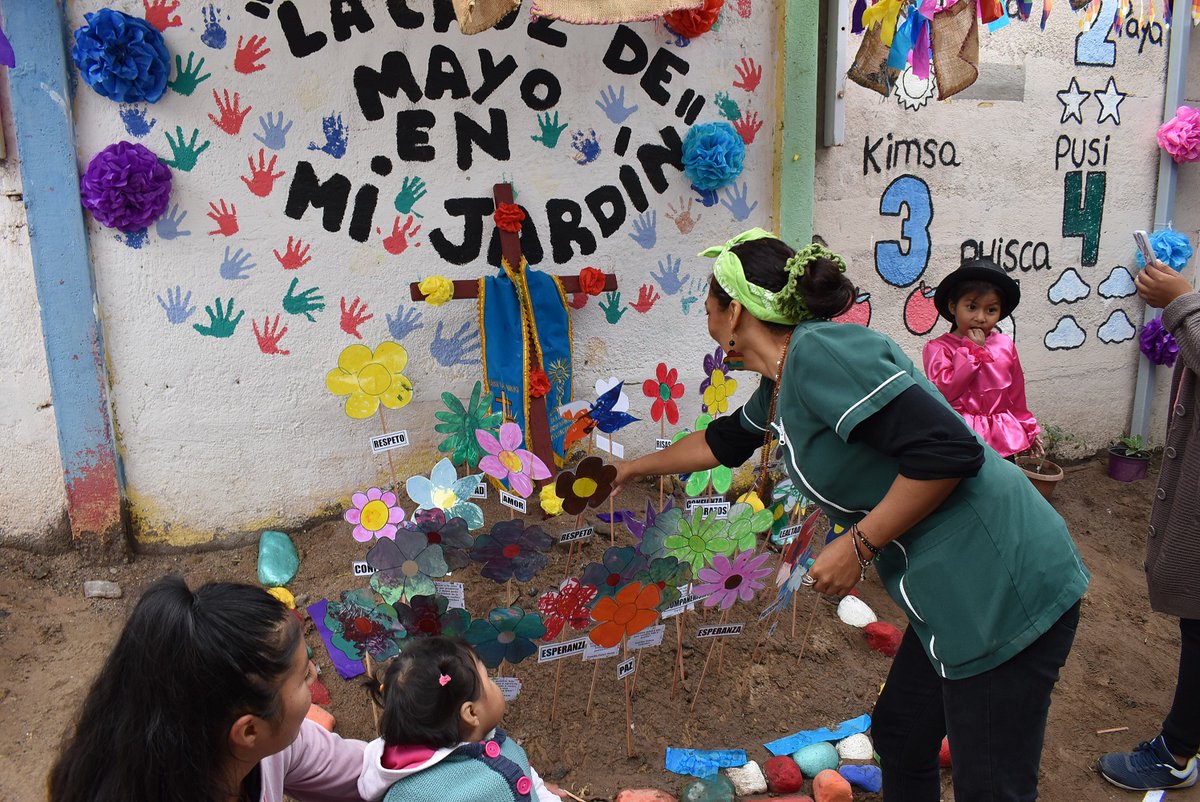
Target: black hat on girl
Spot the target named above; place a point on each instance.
(977, 270)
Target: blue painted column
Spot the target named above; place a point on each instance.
(63, 273)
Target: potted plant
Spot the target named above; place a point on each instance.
(1042, 472)
(1128, 459)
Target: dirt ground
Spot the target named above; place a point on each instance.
(1120, 674)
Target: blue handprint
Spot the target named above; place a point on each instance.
(449, 351)
(697, 290)
(587, 146)
(735, 202)
(706, 196)
(134, 239)
(404, 323)
(613, 105)
(274, 134)
(133, 117)
(335, 136)
(167, 226)
(214, 34)
(177, 306)
(645, 229)
(668, 277)
(238, 266)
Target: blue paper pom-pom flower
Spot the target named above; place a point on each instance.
(713, 155)
(1170, 247)
(122, 57)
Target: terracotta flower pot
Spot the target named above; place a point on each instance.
(1124, 468)
(1044, 474)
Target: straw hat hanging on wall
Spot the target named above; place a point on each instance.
(608, 12)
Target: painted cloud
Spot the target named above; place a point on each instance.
(1117, 329)
(1068, 289)
(1065, 335)
(1119, 284)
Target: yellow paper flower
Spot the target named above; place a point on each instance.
(551, 503)
(716, 395)
(284, 595)
(752, 499)
(371, 379)
(437, 289)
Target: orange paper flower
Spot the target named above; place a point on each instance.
(694, 22)
(628, 613)
(539, 383)
(508, 217)
(591, 281)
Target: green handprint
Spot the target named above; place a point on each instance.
(411, 191)
(187, 79)
(727, 107)
(220, 323)
(551, 130)
(185, 155)
(305, 303)
(614, 310)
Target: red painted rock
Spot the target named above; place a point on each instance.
(829, 786)
(644, 795)
(944, 755)
(783, 775)
(320, 694)
(883, 637)
(788, 798)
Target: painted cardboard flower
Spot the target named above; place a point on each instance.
(664, 389)
(425, 616)
(588, 486)
(374, 515)
(718, 392)
(508, 633)
(506, 460)
(743, 523)
(721, 476)
(451, 535)
(567, 605)
(713, 361)
(444, 491)
(358, 626)
(616, 569)
(629, 612)
(667, 573)
(785, 499)
(728, 581)
(511, 550)
(405, 567)
(657, 527)
(371, 378)
(460, 421)
(699, 540)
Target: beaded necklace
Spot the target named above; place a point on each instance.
(762, 485)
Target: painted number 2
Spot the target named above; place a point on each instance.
(1093, 47)
(1083, 211)
(901, 267)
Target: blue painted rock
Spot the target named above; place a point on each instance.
(816, 758)
(868, 778)
(278, 561)
(712, 789)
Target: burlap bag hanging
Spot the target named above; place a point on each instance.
(476, 16)
(608, 12)
(954, 39)
(870, 67)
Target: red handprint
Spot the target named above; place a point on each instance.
(579, 300)
(748, 126)
(247, 57)
(647, 297)
(295, 255)
(158, 13)
(353, 316)
(750, 73)
(269, 337)
(225, 218)
(398, 241)
(261, 180)
(744, 8)
(231, 115)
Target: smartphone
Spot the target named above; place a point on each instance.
(1143, 243)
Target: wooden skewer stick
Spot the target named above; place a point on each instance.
(811, 616)
(371, 674)
(568, 793)
(391, 463)
(592, 691)
(612, 515)
(704, 670)
(662, 479)
(628, 702)
(1111, 730)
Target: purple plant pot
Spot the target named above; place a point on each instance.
(1126, 469)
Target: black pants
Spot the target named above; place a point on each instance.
(1181, 729)
(995, 720)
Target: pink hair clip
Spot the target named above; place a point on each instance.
(443, 680)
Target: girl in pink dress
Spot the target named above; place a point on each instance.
(975, 366)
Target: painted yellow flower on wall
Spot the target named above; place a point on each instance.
(717, 393)
(370, 379)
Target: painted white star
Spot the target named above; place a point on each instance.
(1072, 99)
(1110, 102)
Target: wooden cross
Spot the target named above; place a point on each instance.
(537, 434)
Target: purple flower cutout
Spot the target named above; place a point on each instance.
(425, 616)
(125, 186)
(616, 569)
(511, 550)
(452, 535)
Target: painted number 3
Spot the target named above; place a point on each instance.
(902, 266)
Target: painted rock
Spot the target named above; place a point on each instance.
(868, 778)
(883, 637)
(783, 775)
(278, 561)
(944, 755)
(855, 612)
(320, 694)
(644, 795)
(321, 716)
(712, 789)
(101, 589)
(829, 786)
(815, 758)
(747, 779)
(285, 596)
(855, 747)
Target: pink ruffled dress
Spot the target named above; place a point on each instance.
(984, 384)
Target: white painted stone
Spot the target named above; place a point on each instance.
(855, 747)
(855, 612)
(747, 779)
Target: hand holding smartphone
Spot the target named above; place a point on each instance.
(1143, 244)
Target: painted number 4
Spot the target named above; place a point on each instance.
(1083, 211)
(901, 266)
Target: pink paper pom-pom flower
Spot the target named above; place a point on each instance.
(1180, 136)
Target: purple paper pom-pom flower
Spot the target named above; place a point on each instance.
(125, 186)
(1158, 344)
(713, 155)
(122, 57)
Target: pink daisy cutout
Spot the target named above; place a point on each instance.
(507, 460)
(374, 515)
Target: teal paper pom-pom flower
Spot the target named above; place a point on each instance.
(713, 155)
(122, 57)
(1170, 247)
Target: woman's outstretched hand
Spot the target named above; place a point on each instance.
(626, 473)
(836, 570)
